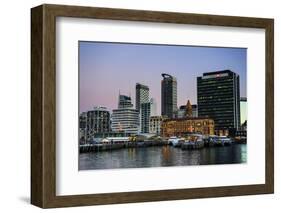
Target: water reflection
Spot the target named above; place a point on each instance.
(162, 156)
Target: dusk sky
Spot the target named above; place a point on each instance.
(107, 68)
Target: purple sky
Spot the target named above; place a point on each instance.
(107, 68)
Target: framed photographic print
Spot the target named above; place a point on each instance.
(137, 106)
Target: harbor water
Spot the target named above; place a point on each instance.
(159, 156)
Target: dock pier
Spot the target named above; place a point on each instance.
(188, 145)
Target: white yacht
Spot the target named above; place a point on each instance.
(175, 141)
(225, 140)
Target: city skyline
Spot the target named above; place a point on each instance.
(107, 69)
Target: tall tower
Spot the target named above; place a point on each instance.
(146, 111)
(218, 97)
(142, 95)
(168, 95)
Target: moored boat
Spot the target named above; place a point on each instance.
(175, 141)
(195, 142)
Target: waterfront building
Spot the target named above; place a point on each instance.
(146, 111)
(218, 97)
(183, 126)
(83, 127)
(168, 95)
(144, 117)
(155, 123)
(124, 102)
(125, 120)
(243, 110)
(142, 95)
(98, 121)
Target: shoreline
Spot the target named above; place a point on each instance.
(143, 144)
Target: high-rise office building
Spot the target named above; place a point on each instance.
(124, 102)
(125, 118)
(168, 95)
(98, 121)
(218, 97)
(146, 111)
(142, 95)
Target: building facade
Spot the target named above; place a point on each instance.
(98, 121)
(83, 127)
(142, 95)
(155, 123)
(145, 111)
(125, 120)
(218, 97)
(168, 95)
(124, 102)
(183, 126)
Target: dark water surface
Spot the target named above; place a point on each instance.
(162, 156)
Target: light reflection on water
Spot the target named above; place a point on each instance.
(162, 156)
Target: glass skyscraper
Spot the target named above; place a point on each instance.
(142, 95)
(145, 116)
(146, 111)
(168, 95)
(218, 97)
